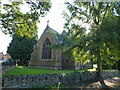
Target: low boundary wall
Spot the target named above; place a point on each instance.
(31, 81)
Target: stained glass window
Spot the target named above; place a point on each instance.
(46, 51)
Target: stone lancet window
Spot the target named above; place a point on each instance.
(46, 51)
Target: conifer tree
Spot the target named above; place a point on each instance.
(20, 48)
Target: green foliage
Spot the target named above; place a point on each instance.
(14, 21)
(101, 43)
(21, 48)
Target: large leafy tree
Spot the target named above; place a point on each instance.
(110, 31)
(14, 21)
(22, 26)
(21, 48)
(101, 43)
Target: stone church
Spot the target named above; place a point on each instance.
(46, 57)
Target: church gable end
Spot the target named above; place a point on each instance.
(45, 57)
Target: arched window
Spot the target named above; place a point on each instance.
(46, 51)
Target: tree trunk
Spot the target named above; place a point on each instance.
(99, 72)
(99, 66)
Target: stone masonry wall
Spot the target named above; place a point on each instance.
(7, 66)
(31, 81)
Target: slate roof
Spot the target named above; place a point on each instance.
(54, 32)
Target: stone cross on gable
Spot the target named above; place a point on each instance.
(47, 22)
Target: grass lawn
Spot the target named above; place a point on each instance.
(20, 70)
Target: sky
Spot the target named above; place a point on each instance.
(56, 21)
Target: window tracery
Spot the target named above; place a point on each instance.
(46, 51)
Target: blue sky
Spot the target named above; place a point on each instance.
(56, 21)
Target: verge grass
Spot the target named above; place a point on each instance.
(22, 70)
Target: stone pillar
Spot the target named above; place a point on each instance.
(77, 65)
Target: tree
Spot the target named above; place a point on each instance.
(111, 40)
(14, 21)
(99, 43)
(21, 48)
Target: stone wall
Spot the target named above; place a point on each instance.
(8, 65)
(31, 81)
(6, 68)
(111, 73)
